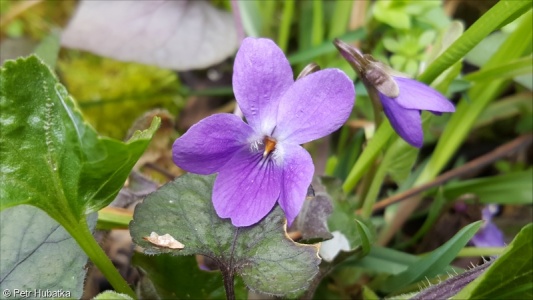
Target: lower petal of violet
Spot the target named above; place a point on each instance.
(406, 122)
(298, 172)
(211, 143)
(247, 188)
(488, 236)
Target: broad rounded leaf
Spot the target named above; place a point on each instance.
(37, 253)
(179, 35)
(266, 259)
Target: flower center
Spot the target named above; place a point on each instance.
(270, 145)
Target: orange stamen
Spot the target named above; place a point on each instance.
(270, 145)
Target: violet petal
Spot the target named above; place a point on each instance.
(247, 188)
(315, 106)
(416, 95)
(210, 143)
(489, 236)
(261, 75)
(406, 122)
(297, 176)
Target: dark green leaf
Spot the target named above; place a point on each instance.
(37, 253)
(177, 277)
(385, 260)
(366, 236)
(342, 219)
(511, 69)
(403, 158)
(434, 262)
(510, 276)
(512, 188)
(517, 104)
(50, 157)
(266, 259)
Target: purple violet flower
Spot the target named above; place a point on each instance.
(404, 110)
(489, 235)
(261, 162)
(402, 99)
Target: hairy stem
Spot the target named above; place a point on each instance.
(83, 236)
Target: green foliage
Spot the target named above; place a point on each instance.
(178, 277)
(433, 263)
(512, 188)
(53, 160)
(510, 276)
(266, 259)
(37, 253)
(360, 233)
(45, 141)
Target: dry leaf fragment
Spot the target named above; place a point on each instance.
(164, 241)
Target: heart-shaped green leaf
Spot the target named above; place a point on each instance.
(51, 158)
(266, 259)
(38, 254)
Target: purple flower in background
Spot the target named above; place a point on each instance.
(261, 162)
(404, 110)
(489, 235)
(402, 99)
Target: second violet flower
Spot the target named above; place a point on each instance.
(261, 163)
(403, 99)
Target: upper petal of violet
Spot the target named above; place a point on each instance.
(210, 143)
(297, 175)
(261, 74)
(315, 106)
(416, 95)
(406, 122)
(247, 188)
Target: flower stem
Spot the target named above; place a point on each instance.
(228, 277)
(376, 105)
(81, 233)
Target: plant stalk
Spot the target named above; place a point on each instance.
(81, 233)
(229, 286)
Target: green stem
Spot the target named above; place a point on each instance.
(361, 166)
(375, 186)
(81, 233)
(376, 105)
